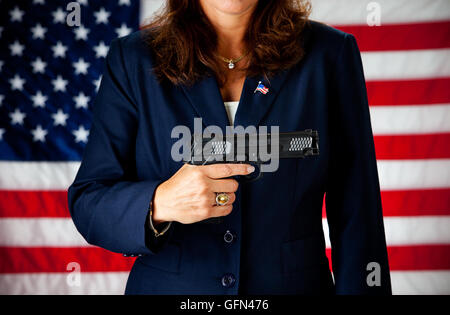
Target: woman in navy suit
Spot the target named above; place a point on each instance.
(204, 59)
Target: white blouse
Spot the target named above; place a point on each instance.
(231, 108)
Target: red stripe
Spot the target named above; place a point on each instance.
(28, 204)
(36, 260)
(429, 35)
(429, 257)
(24, 204)
(416, 202)
(409, 92)
(426, 202)
(90, 259)
(421, 257)
(409, 147)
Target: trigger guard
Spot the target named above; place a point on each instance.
(251, 177)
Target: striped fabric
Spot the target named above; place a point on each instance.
(407, 68)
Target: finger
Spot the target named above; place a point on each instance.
(224, 185)
(217, 171)
(221, 211)
(232, 198)
(208, 200)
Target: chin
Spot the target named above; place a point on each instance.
(232, 6)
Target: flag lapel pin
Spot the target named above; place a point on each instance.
(261, 88)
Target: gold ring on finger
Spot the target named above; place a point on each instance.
(222, 199)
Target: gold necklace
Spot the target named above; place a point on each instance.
(232, 62)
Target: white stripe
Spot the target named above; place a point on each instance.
(406, 64)
(417, 282)
(148, 8)
(394, 174)
(47, 232)
(421, 282)
(340, 12)
(402, 231)
(414, 174)
(415, 119)
(37, 175)
(62, 283)
(417, 230)
(40, 233)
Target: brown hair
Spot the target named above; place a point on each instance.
(183, 41)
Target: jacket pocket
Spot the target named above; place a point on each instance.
(299, 254)
(167, 259)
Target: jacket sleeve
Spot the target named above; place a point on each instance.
(353, 202)
(108, 205)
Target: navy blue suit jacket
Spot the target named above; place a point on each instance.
(279, 245)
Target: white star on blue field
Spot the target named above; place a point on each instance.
(50, 72)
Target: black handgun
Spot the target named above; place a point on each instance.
(253, 149)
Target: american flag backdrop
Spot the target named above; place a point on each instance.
(49, 73)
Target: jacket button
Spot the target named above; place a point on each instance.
(228, 237)
(228, 280)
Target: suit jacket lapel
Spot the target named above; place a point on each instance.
(204, 96)
(253, 106)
